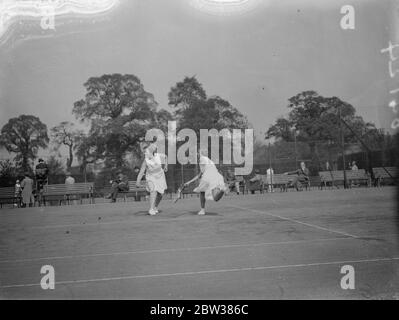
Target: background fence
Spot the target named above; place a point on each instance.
(281, 157)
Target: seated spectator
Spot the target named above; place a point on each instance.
(256, 179)
(120, 184)
(301, 178)
(232, 181)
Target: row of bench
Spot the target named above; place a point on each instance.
(79, 191)
(324, 179)
(66, 193)
(380, 174)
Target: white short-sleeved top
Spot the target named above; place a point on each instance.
(154, 163)
(206, 164)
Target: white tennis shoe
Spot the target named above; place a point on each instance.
(201, 212)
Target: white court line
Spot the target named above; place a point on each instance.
(190, 273)
(259, 244)
(296, 221)
(173, 250)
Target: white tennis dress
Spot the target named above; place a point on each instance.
(210, 179)
(155, 175)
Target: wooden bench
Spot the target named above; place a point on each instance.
(68, 192)
(315, 181)
(385, 174)
(358, 176)
(280, 181)
(134, 191)
(257, 185)
(336, 177)
(7, 196)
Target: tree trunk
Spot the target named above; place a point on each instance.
(314, 167)
(70, 159)
(119, 161)
(25, 164)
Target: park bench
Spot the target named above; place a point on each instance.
(136, 192)
(314, 181)
(281, 181)
(336, 177)
(358, 176)
(68, 192)
(7, 196)
(278, 180)
(385, 174)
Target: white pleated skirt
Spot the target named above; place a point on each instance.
(156, 182)
(210, 180)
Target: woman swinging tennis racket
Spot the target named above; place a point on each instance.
(211, 185)
(155, 176)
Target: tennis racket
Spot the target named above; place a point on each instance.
(179, 193)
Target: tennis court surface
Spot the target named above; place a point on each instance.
(272, 246)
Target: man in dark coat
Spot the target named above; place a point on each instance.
(41, 175)
(120, 184)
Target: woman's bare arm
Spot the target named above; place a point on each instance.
(193, 179)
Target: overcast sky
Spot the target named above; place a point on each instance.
(255, 60)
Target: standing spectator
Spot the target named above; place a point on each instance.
(237, 185)
(301, 178)
(136, 171)
(41, 173)
(354, 168)
(120, 184)
(269, 179)
(18, 192)
(27, 189)
(69, 181)
(328, 166)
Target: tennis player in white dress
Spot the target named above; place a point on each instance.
(211, 185)
(154, 166)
